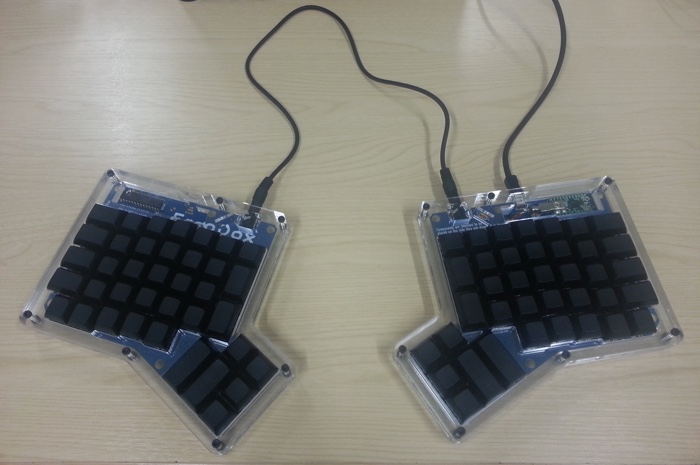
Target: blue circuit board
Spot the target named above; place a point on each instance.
(562, 206)
(213, 219)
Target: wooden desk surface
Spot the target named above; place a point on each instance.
(158, 88)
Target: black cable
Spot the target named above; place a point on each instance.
(511, 180)
(263, 188)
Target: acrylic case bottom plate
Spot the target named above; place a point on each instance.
(526, 281)
(172, 281)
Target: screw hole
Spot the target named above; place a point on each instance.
(160, 364)
(459, 432)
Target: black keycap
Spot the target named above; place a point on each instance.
(608, 224)
(158, 226)
(428, 356)
(525, 230)
(596, 275)
(158, 335)
(193, 318)
(216, 416)
(459, 273)
(615, 327)
(587, 327)
(108, 266)
(534, 253)
(251, 254)
(145, 298)
(561, 329)
(445, 380)
(145, 247)
(560, 251)
(550, 228)
(226, 246)
(79, 259)
(552, 302)
(618, 247)
(66, 282)
(519, 282)
(451, 244)
(82, 317)
(476, 240)
(192, 260)
(586, 251)
(449, 338)
(169, 307)
(215, 268)
(223, 319)
(205, 384)
(108, 321)
(59, 309)
(569, 275)
(105, 216)
(464, 405)
(133, 326)
(470, 312)
(641, 322)
(92, 237)
(180, 283)
(169, 252)
(502, 235)
(485, 263)
(192, 360)
(638, 295)
(480, 375)
(579, 300)
(238, 283)
(533, 335)
(182, 231)
(203, 238)
(158, 274)
(501, 361)
(576, 228)
(628, 271)
(95, 290)
(133, 224)
(510, 258)
(120, 244)
(526, 306)
(543, 277)
(260, 371)
(240, 350)
(493, 287)
(501, 314)
(606, 300)
(121, 294)
(134, 269)
(205, 291)
(239, 393)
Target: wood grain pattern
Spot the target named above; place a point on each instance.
(158, 88)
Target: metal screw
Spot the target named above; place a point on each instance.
(219, 200)
(675, 332)
(286, 371)
(217, 444)
(281, 219)
(28, 315)
(459, 432)
(110, 173)
(491, 196)
(608, 180)
(128, 353)
(401, 353)
(564, 356)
